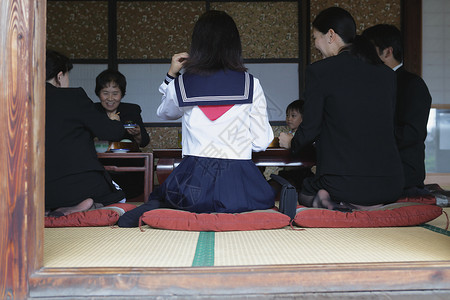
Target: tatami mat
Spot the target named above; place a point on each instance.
(442, 220)
(129, 247)
(327, 245)
(118, 247)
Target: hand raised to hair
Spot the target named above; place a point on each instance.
(177, 63)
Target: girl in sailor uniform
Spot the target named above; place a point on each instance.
(224, 119)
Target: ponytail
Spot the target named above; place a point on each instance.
(363, 49)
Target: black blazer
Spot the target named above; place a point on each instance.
(130, 112)
(349, 112)
(71, 122)
(411, 118)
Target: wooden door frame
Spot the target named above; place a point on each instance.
(411, 24)
(22, 211)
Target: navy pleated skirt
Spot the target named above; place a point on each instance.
(205, 185)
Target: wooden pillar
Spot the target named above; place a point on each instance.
(22, 104)
(412, 35)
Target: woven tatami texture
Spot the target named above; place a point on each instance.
(441, 221)
(327, 245)
(118, 247)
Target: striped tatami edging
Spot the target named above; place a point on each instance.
(204, 253)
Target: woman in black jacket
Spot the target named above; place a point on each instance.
(74, 177)
(349, 113)
(110, 87)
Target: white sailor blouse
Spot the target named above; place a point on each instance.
(224, 115)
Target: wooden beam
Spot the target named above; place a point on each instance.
(261, 282)
(22, 104)
(412, 35)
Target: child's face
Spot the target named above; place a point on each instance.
(293, 119)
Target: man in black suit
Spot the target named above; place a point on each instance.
(412, 107)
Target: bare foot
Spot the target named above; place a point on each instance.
(322, 200)
(82, 206)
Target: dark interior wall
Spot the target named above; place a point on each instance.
(150, 31)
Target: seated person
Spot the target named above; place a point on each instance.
(110, 87)
(349, 113)
(216, 173)
(74, 177)
(412, 107)
(295, 175)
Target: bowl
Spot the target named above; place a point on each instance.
(123, 145)
(120, 150)
(101, 146)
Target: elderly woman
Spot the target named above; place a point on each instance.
(110, 87)
(349, 113)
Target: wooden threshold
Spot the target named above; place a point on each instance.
(265, 281)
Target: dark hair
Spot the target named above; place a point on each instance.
(296, 105)
(364, 50)
(342, 22)
(56, 62)
(215, 45)
(338, 19)
(108, 76)
(384, 36)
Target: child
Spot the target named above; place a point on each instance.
(224, 119)
(294, 115)
(295, 175)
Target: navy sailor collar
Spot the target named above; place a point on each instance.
(221, 88)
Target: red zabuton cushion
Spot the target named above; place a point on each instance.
(183, 220)
(390, 215)
(105, 216)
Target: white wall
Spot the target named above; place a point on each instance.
(436, 73)
(279, 81)
(436, 49)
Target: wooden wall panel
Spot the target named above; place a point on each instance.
(79, 29)
(156, 29)
(22, 38)
(267, 29)
(365, 12)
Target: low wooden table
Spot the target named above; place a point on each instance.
(168, 159)
(146, 167)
